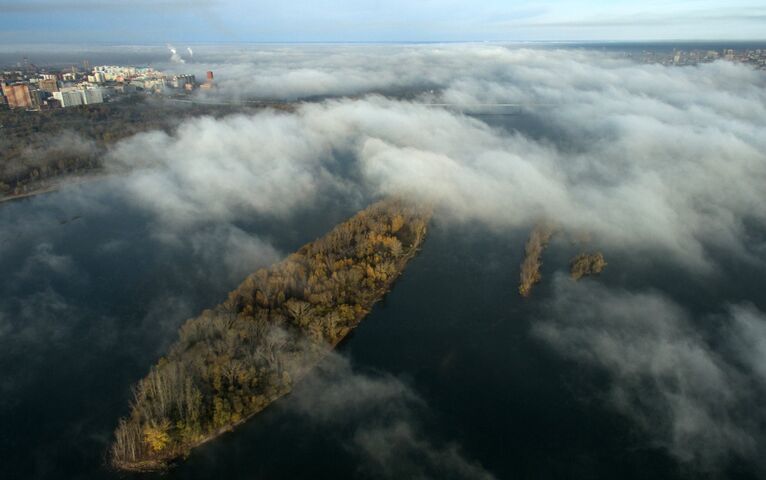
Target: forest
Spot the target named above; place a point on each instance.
(38, 149)
(232, 361)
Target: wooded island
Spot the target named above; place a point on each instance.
(234, 360)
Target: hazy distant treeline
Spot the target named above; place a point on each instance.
(36, 147)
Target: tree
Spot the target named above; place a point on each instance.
(298, 310)
(397, 222)
(156, 435)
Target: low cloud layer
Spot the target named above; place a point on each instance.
(697, 393)
(665, 163)
(223, 168)
(642, 156)
(383, 413)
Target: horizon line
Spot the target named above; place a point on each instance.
(390, 42)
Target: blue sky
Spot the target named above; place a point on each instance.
(158, 21)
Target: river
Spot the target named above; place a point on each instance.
(91, 295)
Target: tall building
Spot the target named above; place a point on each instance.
(49, 85)
(97, 77)
(180, 81)
(150, 83)
(115, 72)
(18, 95)
(209, 82)
(92, 95)
(72, 97)
(38, 98)
(68, 98)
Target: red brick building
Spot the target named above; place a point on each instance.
(18, 95)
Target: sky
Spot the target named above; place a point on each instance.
(205, 21)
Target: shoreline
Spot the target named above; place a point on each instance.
(57, 185)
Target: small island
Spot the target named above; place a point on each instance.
(533, 251)
(235, 359)
(586, 264)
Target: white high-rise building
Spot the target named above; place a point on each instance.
(69, 97)
(92, 95)
(72, 97)
(97, 77)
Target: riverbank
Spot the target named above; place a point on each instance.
(56, 185)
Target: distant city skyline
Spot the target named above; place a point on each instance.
(210, 21)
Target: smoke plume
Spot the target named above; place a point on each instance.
(175, 57)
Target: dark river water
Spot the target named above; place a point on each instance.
(88, 304)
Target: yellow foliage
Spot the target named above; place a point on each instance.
(157, 436)
(397, 222)
(217, 378)
(221, 411)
